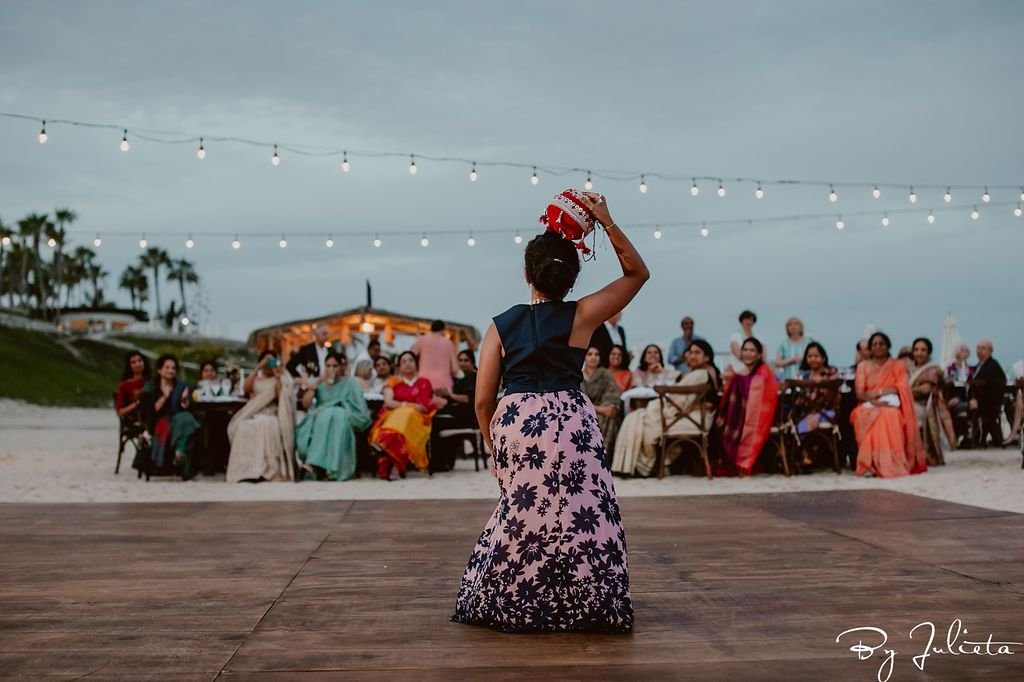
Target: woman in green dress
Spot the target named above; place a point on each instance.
(325, 439)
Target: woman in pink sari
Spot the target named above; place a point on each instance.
(746, 412)
(888, 442)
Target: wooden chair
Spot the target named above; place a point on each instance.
(827, 431)
(474, 436)
(702, 414)
(784, 430)
(129, 431)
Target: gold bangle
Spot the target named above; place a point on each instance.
(609, 226)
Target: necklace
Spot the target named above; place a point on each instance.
(539, 300)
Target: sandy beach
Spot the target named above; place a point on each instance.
(52, 455)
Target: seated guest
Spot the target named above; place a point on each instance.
(325, 439)
(815, 406)
(933, 417)
(677, 349)
(746, 411)
(790, 354)
(458, 413)
(133, 379)
(363, 375)
(210, 385)
(1017, 420)
(600, 387)
(986, 395)
(960, 370)
(402, 429)
(618, 365)
(382, 373)
(651, 371)
(635, 447)
(262, 433)
(172, 426)
(888, 443)
(309, 360)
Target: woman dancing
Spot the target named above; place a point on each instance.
(553, 555)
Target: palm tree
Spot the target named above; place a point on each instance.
(95, 273)
(155, 258)
(182, 272)
(31, 228)
(133, 279)
(62, 217)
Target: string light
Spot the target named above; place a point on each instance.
(6, 240)
(201, 153)
(657, 233)
(472, 173)
(189, 243)
(275, 159)
(472, 240)
(518, 239)
(721, 189)
(330, 241)
(97, 242)
(533, 178)
(345, 165)
(412, 165)
(377, 242)
(51, 242)
(832, 196)
(931, 216)
(985, 197)
(704, 231)
(885, 220)
(876, 193)
(912, 197)
(839, 223)
(643, 185)
(124, 141)
(236, 244)
(1017, 211)
(42, 134)
(143, 242)
(185, 322)
(424, 242)
(974, 213)
(589, 185)
(948, 196)
(1022, 193)
(759, 192)
(283, 243)
(694, 190)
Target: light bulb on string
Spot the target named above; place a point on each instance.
(330, 241)
(189, 243)
(876, 193)
(42, 134)
(657, 232)
(589, 184)
(283, 243)
(533, 178)
(124, 141)
(275, 159)
(721, 189)
(931, 217)
(471, 241)
(235, 244)
(473, 174)
(643, 185)
(985, 197)
(759, 192)
(518, 239)
(832, 196)
(424, 242)
(948, 196)
(200, 153)
(51, 242)
(912, 197)
(5, 240)
(840, 224)
(345, 166)
(143, 242)
(412, 165)
(885, 220)
(694, 189)
(974, 213)
(97, 242)
(1017, 211)
(1022, 193)
(377, 242)
(704, 231)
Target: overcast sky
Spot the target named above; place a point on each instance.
(909, 92)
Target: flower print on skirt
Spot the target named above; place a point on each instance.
(553, 555)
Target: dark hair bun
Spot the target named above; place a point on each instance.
(552, 264)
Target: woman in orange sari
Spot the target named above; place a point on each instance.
(746, 412)
(888, 443)
(402, 429)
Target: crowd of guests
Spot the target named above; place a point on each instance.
(317, 417)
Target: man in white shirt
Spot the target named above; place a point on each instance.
(309, 360)
(747, 321)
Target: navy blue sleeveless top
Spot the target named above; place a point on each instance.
(538, 358)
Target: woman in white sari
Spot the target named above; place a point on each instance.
(635, 448)
(262, 433)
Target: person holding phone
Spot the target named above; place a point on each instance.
(262, 433)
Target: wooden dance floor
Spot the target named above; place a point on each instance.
(744, 587)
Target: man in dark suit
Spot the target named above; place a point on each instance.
(607, 335)
(986, 396)
(309, 360)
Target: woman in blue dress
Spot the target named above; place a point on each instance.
(552, 557)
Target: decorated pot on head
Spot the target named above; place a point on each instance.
(568, 216)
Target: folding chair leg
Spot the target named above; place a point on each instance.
(782, 453)
(659, 459)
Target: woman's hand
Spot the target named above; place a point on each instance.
(442, 392)
(655, 368)
(598, 208)
(419, 408)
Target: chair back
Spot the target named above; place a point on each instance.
(704, 395)
(826, 393)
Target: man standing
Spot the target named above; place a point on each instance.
(986, 395)
(607, 335)
(677, 350)
(309, 360)
(747, 321)
(436, 355)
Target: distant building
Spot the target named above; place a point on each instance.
(99, 320)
